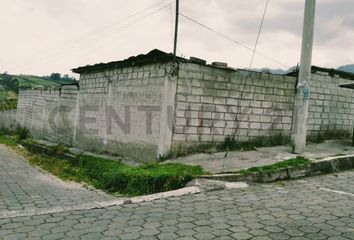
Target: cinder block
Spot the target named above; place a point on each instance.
(204, 130)
(219, 100)
(209, 108)
(266, 126)
(254, 118)
(230, 116)
(242, 124)
(253, 133)
(180, 113)
(193, 122)
(255, 125)
(222, 93)
(205, 115)
(190, 130)
(195, 106)
(218, 123)
(197, 91)
(206, 99)
(257, 111)
(191, 114)
(182, 106)
(256, 104)
(218, 115)
(235, 94)
(192, 138)
(232, 101)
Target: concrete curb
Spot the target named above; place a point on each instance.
(99, 205)
(324, 166)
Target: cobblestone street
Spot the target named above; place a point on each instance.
(313, 208)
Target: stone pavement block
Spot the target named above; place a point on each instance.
(293, 210)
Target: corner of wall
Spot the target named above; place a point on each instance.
(167, 115)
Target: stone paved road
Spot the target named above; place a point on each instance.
(314, 208)
(25, 188)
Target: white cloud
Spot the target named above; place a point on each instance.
(44, 36)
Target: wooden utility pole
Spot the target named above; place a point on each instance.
(176, 32)
(302, 96)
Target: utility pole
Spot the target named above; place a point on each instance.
(302, 96)
(176, 33)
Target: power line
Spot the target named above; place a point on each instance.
(259, 33)
(94, 39)
(236, 124)
(111, 41)
(77, 42)
(232, 40)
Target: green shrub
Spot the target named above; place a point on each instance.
(114, 176)
(150, 178)
(60, 149)
(22, 132)
(298, 161)
(327, 135)
(229, 144)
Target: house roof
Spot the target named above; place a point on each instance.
(331, 72)
(347, 85)
(154, 56)
(158, 56)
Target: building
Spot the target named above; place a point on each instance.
(140, 107)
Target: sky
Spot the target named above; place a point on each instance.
(40, 37)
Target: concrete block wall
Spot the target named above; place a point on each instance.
(121, 111)
(8, 119)
(331, 108)
(212, 103)
(48, 113)
(131, 110)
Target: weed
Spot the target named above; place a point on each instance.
(114, 176)
(229, 144)
(298, 161)
(60, 149)
(22, 132)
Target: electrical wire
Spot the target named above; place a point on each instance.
(77, 42)
(113, 40)
(258, 35)
(232, 40)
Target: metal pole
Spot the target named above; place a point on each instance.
(303, 90)
(176, 32)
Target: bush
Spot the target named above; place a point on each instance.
(22, 132)
(114, 176)
(60, 149)
(149, 178)
(229, 144)
(13, 135)
(298, 161)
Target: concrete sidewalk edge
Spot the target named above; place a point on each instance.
(324, 166)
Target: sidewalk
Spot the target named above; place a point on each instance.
(217, 163)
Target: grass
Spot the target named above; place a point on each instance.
(8, 104)
(116, 177)
(108, 175)
(298, 161)
(229, 144)
(327, 135)
(8, 140)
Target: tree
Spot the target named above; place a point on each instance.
(10, 83)
(55, 76)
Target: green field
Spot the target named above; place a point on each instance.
(35, 81)
(8, 96)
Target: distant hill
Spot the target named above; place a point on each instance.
(28, 81)
(10, 84)
(347, 68)
(274, 71)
